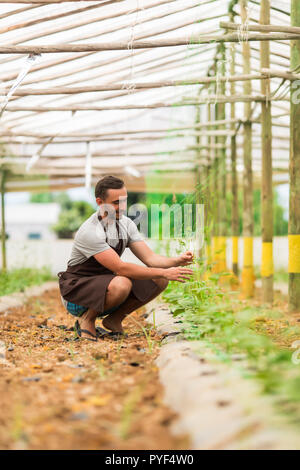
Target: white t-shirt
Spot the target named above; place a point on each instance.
(90, 238)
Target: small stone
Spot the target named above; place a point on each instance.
(223, 403)
(31, 379)
(208, 372)
(238, 357)
(77, 380)
(98, 355)
(79, 416)
(61, 358)
(10, 348)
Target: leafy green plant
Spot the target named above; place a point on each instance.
(150, 341)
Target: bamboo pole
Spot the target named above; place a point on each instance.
(24, 158)
(186, 165)
(267, 269)
(158, 15)
(262, 28)
(209, 99)
(208, 192)
(222, 133)
(270, 73)
(234, 179)
(294, 212)
(279, 10)
(215, 180)
(130, 86)
(198, 169)
(75, 23)
(223, 172)
(248, 226)
(74, 141)
(177, 59)
(19, 10)
(3, 228)
(34, 22)
(115, 137)
(50, 2)
(194, 127)
(124, 45)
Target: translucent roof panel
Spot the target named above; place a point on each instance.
(144, 107)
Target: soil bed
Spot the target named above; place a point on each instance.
(58, 393)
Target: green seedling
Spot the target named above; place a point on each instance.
(128, 410)
(150, 341)
(17, 428)
(101, 369)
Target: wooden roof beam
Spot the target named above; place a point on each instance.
(149, 44)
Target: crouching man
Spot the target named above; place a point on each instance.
(97, 283)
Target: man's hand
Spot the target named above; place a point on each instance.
(178, 274)
(186, 258)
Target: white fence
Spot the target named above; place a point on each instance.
(55, 253)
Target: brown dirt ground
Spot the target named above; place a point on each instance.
(58, 393)
(275, 328)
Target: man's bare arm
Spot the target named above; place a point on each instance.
(142, 251)
(112, 261)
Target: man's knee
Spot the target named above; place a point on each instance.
(121, 286)
(162, 284)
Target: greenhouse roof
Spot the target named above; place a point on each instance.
(123, 87)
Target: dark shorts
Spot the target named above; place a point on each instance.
(78, 310)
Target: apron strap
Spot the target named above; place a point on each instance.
(118, 230)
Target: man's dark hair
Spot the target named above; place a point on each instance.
(106, 183)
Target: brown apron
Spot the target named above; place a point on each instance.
(86, 283)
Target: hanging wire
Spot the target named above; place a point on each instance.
(29, 61)
(88, 166)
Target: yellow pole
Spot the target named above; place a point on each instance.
(248, 225)
(294, 217)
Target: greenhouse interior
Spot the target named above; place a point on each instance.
(150, 174)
